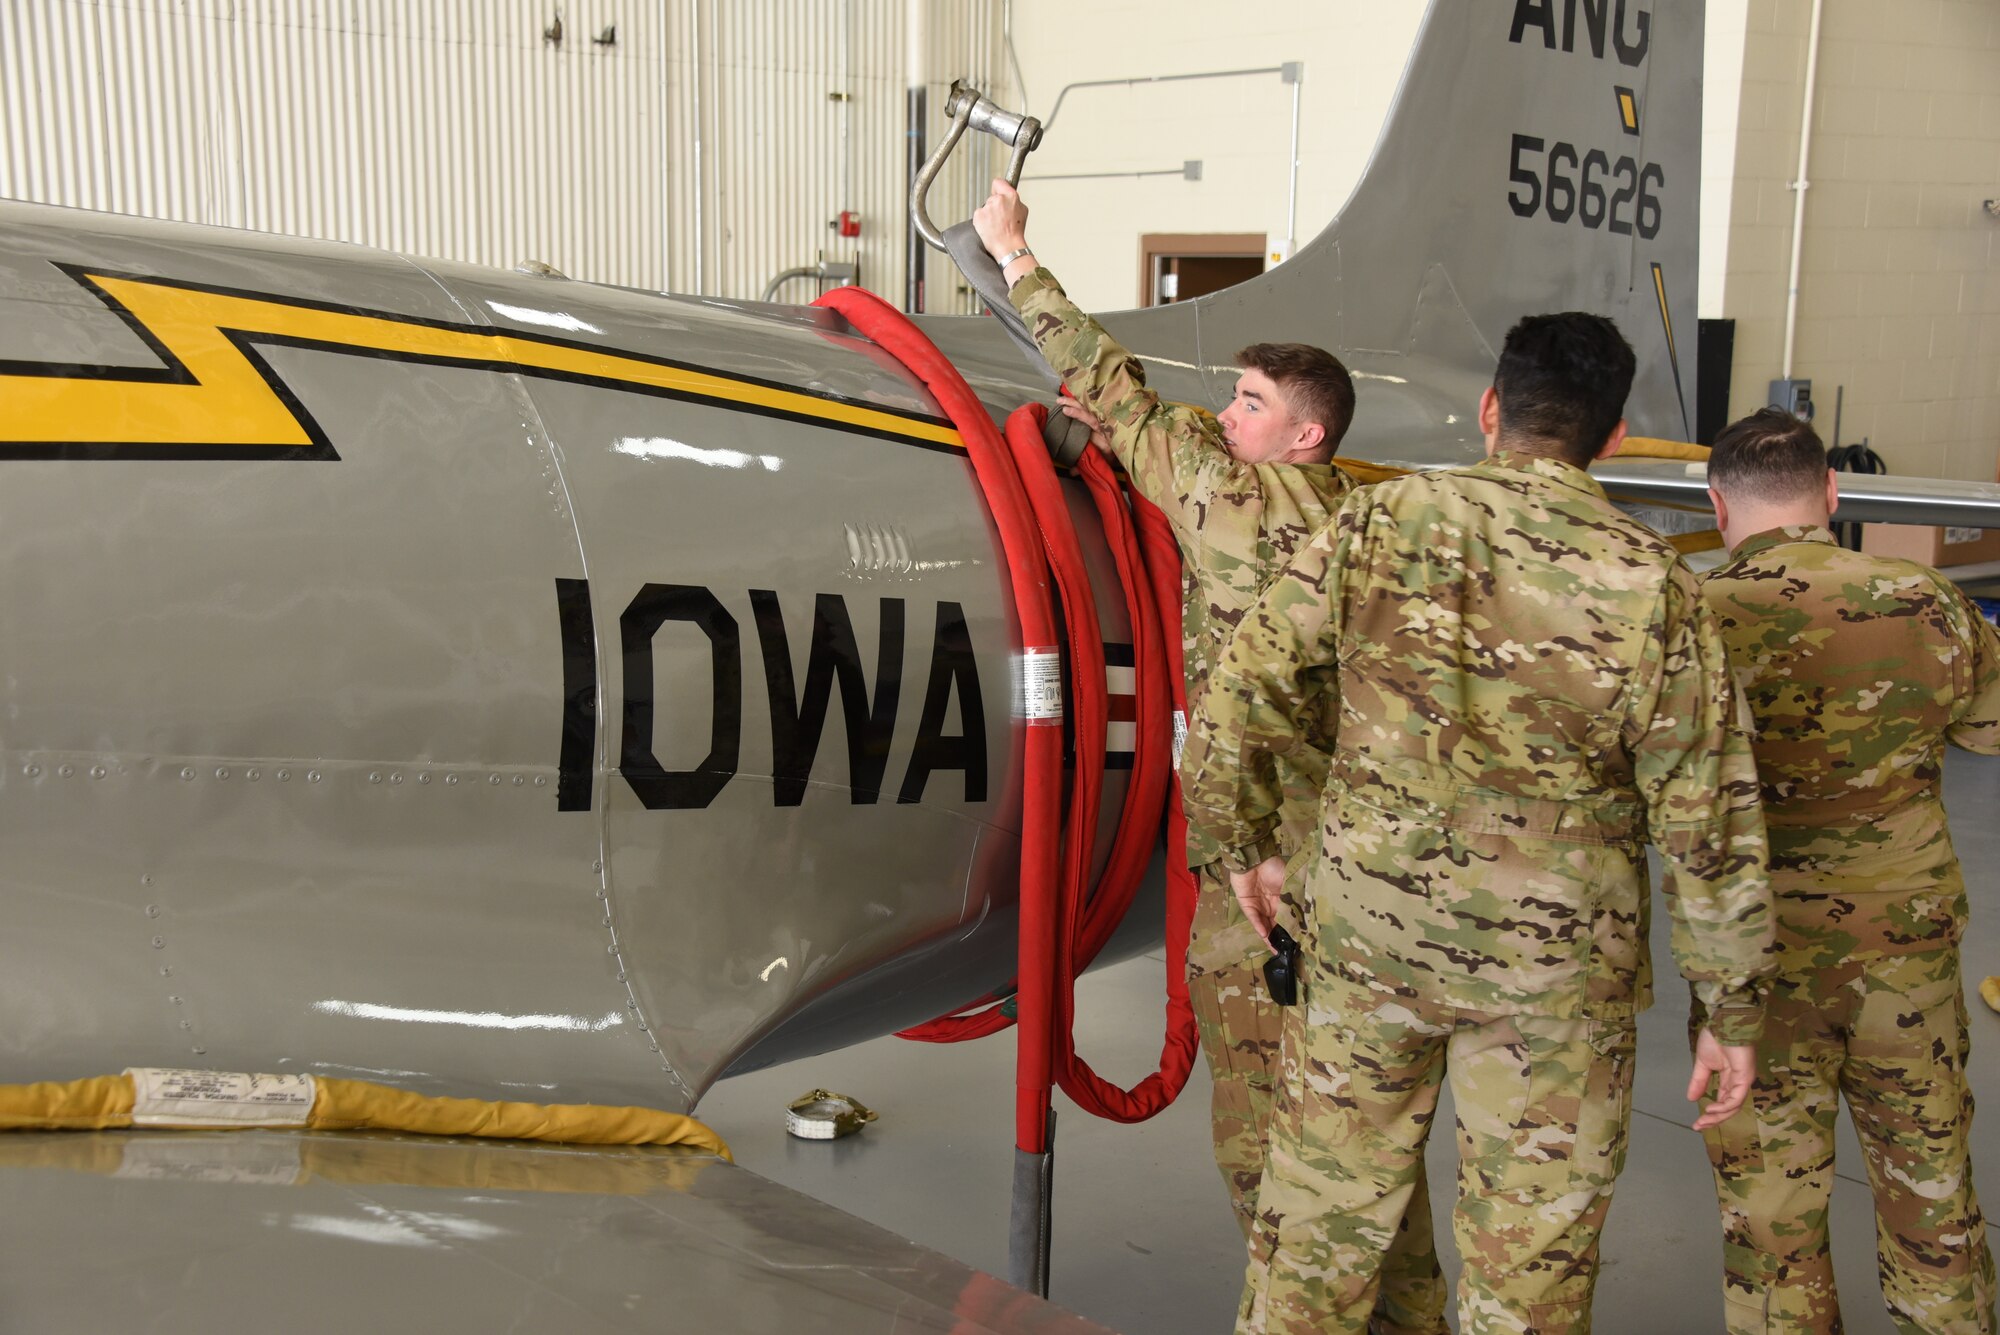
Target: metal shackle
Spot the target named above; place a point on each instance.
(970, 109)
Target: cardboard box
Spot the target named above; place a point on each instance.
(1934, 546)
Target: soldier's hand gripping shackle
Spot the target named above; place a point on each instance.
(970, 109)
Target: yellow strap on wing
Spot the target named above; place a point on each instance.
(1702, 540)
(95, 1104)
(1367, 474)
(1651, 447)
(460, 1165)
(470, 1166)
(357, 1105)
(1633, 447)
(104, 1102)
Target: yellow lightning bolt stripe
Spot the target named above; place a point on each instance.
(230, 402)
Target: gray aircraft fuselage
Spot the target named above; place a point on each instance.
(485, 683)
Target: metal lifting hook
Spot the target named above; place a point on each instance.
(967, 107)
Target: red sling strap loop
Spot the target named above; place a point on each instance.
(1138, 828)
(1127, 860)
(1139, 824)
(1162, 563)
(1063, 925)
(1041, 799)
(1091, 714)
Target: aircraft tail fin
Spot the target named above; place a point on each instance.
(1539, 155)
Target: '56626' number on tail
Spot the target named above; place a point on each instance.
(1592, 189)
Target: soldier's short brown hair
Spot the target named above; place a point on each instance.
(1317, 387)
(1562, 381)
(1768, 456)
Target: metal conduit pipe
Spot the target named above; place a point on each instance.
(846, 109)
(1050, 120)
(1799, 188)
(1013, 57)
(1292, 72)
(916, 108)
(666, 166)
(837, 272)
(771, 288)
(694, 10)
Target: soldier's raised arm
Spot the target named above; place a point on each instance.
(1694, 768)
(1173, 457)
(1267, 696)
(1977, 726)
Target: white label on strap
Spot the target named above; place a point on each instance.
(1180, 738)
(1040, 699)
(163, 1097)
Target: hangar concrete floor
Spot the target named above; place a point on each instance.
(1143, 1238)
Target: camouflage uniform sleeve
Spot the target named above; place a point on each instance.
(1695, 771)
(1172, 454)
(1976, 723)
(1266, 697)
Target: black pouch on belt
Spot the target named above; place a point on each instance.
(1281, 971)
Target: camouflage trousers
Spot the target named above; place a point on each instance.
(1241, 1031)
(1889, 1034)
(1542, 1111)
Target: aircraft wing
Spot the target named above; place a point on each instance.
(1882, 499)
(342, 1231)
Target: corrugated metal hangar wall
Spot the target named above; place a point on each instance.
(691, 145)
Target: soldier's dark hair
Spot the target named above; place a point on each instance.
(1562, 382)
(1768, 456)
(1317, 387)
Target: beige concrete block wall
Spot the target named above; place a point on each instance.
(1898, 295)
(1087, 230)
(1722, 112)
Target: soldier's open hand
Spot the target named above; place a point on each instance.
(1734, 1070)
(1257, 891)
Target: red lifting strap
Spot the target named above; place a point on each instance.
(1063, 924)
(1075, 945)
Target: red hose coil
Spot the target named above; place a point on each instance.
(1063, 925)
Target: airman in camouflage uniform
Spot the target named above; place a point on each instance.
(1858, 669)
(1521, 687)
(1242, 492)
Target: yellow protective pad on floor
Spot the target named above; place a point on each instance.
(106, 1101)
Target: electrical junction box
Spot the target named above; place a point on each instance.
(1794, 396)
